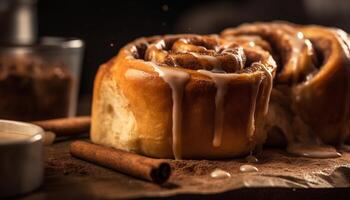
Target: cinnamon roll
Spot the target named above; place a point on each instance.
(311, 94)
(184, 96)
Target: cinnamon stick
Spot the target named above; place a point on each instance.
(155, 170)
(66, 126)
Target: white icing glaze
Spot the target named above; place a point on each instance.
(312, 150)
(297, 43)
(160, 45)
(268, 88)
(176, 80)
(248, 168)
(252, 44)
(220, 81)
(136, 74)
(220, 174)
(186, 41)
(251, 120)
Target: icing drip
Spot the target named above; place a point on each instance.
(251, 121)
(312, 150)
(268, 88)
(176, 80)
(298, 43)
(221, 80)
(248, 168)
(220, 174)
(221, 85)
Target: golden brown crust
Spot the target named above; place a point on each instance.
(147, 100)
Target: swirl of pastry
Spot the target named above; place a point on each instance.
(310, 99)
(323, 99)
(291, 50)
(183, 96)
(194, 52)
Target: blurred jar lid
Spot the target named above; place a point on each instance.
(18, 22)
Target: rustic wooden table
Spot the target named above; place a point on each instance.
(70, 178)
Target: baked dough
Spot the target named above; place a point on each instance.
(183, 96)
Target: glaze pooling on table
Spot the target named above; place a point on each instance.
(248, 168)
(220, 174)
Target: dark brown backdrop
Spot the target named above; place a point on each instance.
(106, 25)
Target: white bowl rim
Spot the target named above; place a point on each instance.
(35, 135)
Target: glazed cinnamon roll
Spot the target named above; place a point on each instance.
(183, 96)
(311, 96)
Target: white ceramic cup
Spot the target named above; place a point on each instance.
(21, 157)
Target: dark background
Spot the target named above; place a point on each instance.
(107, 25)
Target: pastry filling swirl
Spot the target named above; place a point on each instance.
(311, 93)
(218, 59)
(197, 53)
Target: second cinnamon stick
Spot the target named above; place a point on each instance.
(155, 170)
(66, 126)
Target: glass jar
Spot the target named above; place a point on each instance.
(40, 81)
